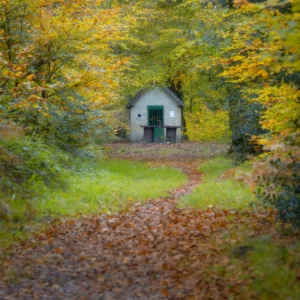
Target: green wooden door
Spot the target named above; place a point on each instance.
(156, 118)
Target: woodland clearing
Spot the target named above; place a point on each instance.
(155, 250)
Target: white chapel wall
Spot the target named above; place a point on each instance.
(153, 97)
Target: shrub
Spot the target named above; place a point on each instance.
(278, 177)
(24, 161)
(244, 119)
(66, 121)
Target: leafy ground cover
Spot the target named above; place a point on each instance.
(92, 186)
(156, 250)
(271, 268)
(165, 151)
(223, 186)
(110, 186)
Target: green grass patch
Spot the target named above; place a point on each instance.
(220, 187)
(93, 186)
(271, 269)
(110, 186)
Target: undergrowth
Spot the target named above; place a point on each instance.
(224, 186)
(270, 269)
(25, 160)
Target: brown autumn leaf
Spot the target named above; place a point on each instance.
(58, 250)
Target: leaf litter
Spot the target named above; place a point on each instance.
(151, 251)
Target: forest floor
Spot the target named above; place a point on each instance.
(150, 251)
(186, 151)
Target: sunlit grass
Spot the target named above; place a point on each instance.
(220, 189)
(110, 186)
(93, 187)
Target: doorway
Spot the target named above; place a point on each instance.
(171, 135)
(156, 119)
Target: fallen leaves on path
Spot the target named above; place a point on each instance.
(165, 152)
(151, 251)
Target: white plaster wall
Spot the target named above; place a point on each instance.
(153, 97)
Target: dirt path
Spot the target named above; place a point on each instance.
(179, 152)
(152, 251)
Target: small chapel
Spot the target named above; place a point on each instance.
(155, 116)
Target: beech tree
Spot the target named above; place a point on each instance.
(58, 69)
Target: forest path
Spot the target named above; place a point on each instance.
(152, 251)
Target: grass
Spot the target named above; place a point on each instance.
(93, 187)
(110, 186)
(220, 188)
(271, 269)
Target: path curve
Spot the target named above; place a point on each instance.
(153, 251)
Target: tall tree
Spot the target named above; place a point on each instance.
(57, 64)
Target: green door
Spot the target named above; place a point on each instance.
(156, 118)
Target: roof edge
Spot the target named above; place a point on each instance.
(142, 92)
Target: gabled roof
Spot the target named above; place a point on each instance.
(144, 91)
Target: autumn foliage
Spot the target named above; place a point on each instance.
(68, 68)
(57, 66)
(201, 125)
(208, 229)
